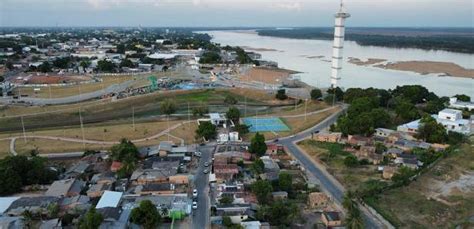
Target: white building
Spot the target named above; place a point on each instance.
(454, 103)
(338, 45)
(451, 119)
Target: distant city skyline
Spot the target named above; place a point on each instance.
(238, 13)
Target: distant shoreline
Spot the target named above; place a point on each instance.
(430, 67)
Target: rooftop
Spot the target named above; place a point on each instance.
(109, 199)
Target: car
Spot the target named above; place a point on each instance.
(195, 193)
(205, 171)
(197, 154)
(195, 205)
(206, 164)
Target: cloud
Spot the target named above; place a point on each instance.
(289, 6)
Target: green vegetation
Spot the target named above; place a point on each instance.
(206, 130)
(285, 182)
(91, 220)
(354, 218)
(226, 200)
(242, 129)
(281, 94)
(18, 171)
(279, 213)
(210, 57)
(233, 114)
(200, 110)
(316, 94)
(146, 215)
(263, 190)
(231, 100)
(127, 153)
(105, 66)
(460, 97)
(258, 145)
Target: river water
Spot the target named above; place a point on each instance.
(293, 54)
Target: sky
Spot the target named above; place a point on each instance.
(226, 13)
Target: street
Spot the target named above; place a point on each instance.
(327, 182)
(201, 215)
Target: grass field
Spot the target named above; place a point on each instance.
(52, 146)
(332, 156)
(427, 203)
(4, 148)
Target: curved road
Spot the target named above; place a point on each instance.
(328, 182)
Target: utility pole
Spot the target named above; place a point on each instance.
(23, 126)
(133, 118)
(82, 129)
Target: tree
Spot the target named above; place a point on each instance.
(279, 213)
(405, 109)
(338, 91)
(281, 94)
(85, 63)
(431, 131)
(53, 210)
(413, 93)
(316, 94)
(351, 161)
(124, 151)
(62, 63)
(44, 67)
(105, 66)
(91, 220)
(226, 199)
(402, 176)
(146, 215)
(210, 57)
(263, 190)
(127, 63)
(242, 129)
(200, 110)
(233, 114)
(353, 219)
(463, 97)
(168, 107)
(285, 181)
(231, 100)
(226, 221)
(206, 130)
(258, 145)
(258, 166)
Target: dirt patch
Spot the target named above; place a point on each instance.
(430, 67)
(370, 61)
(267, 75)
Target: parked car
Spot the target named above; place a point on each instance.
(206, 164)
(205, 171)
(195, 193)
(195, 205)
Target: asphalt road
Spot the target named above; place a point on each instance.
(326, 181)
(201, 215)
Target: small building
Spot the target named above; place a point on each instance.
(269, 164)
(318, 200)
(273, 149)
(36, 205)
(388, 172)
(358, 140)
(109, 199)
(455, 103)
(281, 195)
(225, 172)
(331, 219)
(328, 137)
(96, 190)
(65, 188)
(76, 202)
(116, 166)
(103, 178)
(451, 119)
(383, 132)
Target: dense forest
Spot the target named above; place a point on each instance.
(462, 42)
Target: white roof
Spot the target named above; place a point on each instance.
(109, 199)
(215, 116)
(162, 56)
(450, 111)
(5, 203)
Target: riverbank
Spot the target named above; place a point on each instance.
(429, 67)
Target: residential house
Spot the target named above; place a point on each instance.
(116, 166)
(103, 178)
(75, 202)
(96, 190)
(109, 199)
(281, 195)
(77, 169)
(65, 188)
(236, 212)
(383, 132)
(154, 189)
(455, 103)
(318, 200)
(273, 149)
(358, 140)
(451, 119)
(331, 219)
(37, 204)
(225, 172)
(328, 137)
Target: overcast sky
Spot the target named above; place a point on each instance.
(372, 13)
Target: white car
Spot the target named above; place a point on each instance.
(206, 164)
(195, 205)
(205, 171)
(195, 193)
(197, 154)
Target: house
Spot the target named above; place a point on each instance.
(77, 169)
(365, 152)
(388, 172)
(175, 203)
(37, 204)
(236, 212)
(408, 160)
(358, 140)
(375, 159)
(273, 149)
(318, 200)
(179, 179)
(116, 166)
(65, 188)
(383, 132)
(455, 103)
(394, 152)
(103, 178)
(96, 190)
(114, 217)
(225, 172)
(331, 219)
(328, 137)
(154, 189)
(109, 199)
(269, 164)
(75, 202)
(161, 172)
(451, 119)
(281, 195)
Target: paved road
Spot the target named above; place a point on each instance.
(201, 216)
(72, 99)
(327, 181)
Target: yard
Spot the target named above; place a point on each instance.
(332, 155)
(4, 148)
(443, 197)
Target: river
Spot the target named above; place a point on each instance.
(293, 54)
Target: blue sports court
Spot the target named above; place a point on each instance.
(265, 124)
